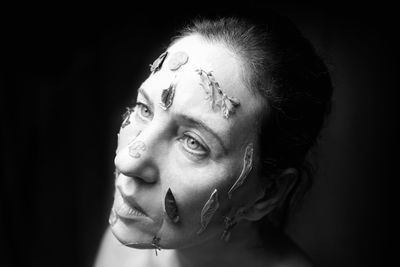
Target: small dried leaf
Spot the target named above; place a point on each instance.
(246, 169)
(126, 116)
(170, 206)
(217, 97)
(156, 244)
(208, 210)
(177, 60)
(135, 148)
(157, 64)
(229, 224)
(167, 97)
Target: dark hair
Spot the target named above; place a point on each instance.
(284, 68)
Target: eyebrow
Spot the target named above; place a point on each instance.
(146, 96)
(204, 126)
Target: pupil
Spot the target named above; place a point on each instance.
(193, 143)
(145, 111)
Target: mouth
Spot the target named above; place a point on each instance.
(126, 207)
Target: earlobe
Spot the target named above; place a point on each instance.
(271, 197)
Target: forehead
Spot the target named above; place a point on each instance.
(190, 96)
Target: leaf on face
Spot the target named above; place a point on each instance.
(167, 97)
(246, 169)
(170, 206)
(157, 64)
(177, 60)
(215, 94)
(208, 210)
(126, 117)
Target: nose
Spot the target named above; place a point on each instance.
(138, 159)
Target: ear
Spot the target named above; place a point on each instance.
(268, 200)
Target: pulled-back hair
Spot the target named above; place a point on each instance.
(283, 67)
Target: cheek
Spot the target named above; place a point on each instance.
(192, 187)
(129, 132)
(196, 181)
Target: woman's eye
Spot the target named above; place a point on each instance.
(144, 111)
(193, 146)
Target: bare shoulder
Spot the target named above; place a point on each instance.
(112, 253)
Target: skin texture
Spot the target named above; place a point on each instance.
(191, 161)
(173, 159)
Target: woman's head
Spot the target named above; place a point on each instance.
(220, 127)
(282, 68)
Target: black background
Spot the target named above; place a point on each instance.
(66, 80)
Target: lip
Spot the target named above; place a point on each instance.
(126, 207)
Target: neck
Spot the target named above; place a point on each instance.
(245, 242)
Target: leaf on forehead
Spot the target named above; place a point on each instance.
(217, 97)
(177, 60)
(157, 64)
(167, 97)
(208, 210)
(228, 105)
(246, 169)
(170, 206)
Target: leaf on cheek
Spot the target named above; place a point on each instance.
(208, 210)
(246, 169)
(171, 207)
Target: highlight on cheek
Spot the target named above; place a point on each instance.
(157, 64)
(218, 99)
(208, 211)
(171, 207)
(177, 60)
(135, 148)
(246, 169)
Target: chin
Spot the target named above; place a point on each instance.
(131, 237)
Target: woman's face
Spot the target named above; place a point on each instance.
(189, 148)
